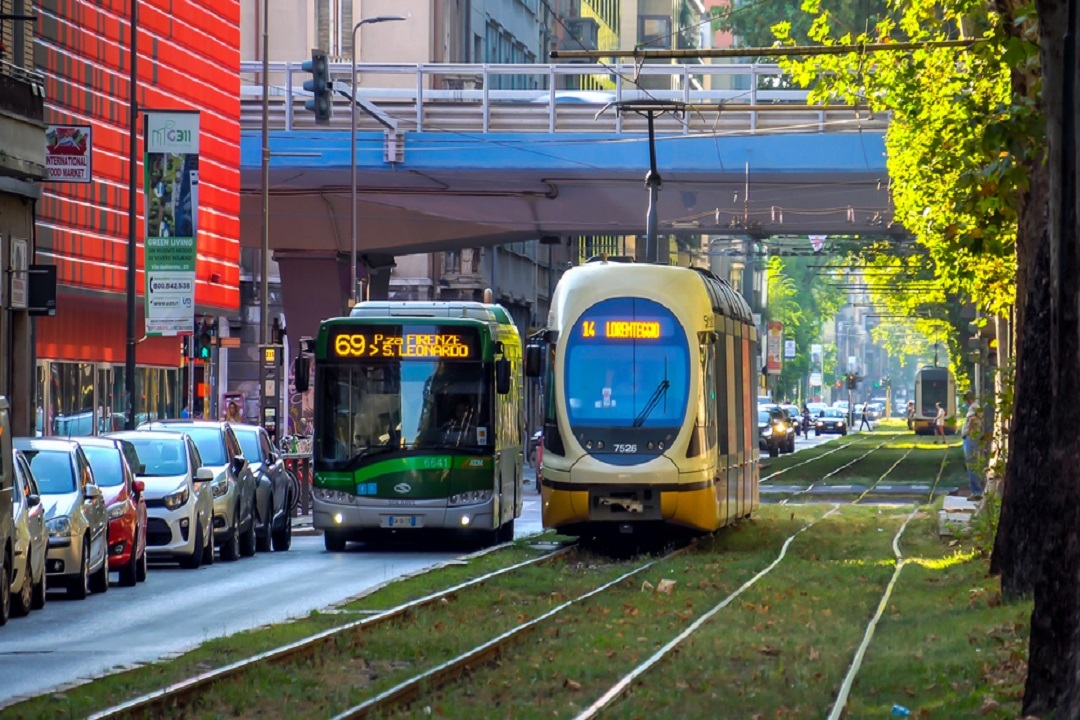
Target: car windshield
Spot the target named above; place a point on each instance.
(762, 417)
(52, 470)
(105, 462)
(161, 457)
(208, 439)
(249, 443)
(832, 413)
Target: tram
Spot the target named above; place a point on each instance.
(418, 421)
(650, 415)
(934, 385)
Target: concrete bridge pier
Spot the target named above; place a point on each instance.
(315, 285)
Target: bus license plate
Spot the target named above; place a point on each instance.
(402, 521)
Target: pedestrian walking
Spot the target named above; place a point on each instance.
(911, 415)
(865, 420)
(939, 423)
(971, 432)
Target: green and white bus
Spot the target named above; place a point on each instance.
(418, 422)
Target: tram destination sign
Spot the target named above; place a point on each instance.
(373, 342)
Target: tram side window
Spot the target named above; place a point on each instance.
(727, 382)
(552, 438)
(737, 399)
(709, 376)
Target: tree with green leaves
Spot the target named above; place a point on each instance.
(967, 161)
(751, 21)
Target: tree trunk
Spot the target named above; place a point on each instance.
(1018, 543)
(1052, 659)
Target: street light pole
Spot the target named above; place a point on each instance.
(264, 288)
(353, 299)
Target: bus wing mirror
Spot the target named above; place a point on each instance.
(300, 373)
(502, 376)
(534, 360)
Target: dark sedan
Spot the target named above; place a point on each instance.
(273, 492)
(831, 420)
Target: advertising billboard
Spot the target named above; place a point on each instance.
(774, 343)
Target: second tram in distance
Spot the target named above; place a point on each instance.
(650, 411)
(934, 385)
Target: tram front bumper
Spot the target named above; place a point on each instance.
(425, 514)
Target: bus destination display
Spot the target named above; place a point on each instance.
(621, 329)
(403, 343)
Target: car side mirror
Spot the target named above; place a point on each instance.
(502, 376)
(141, 469)
(204, 474)
(139, 487)
(92, 492)
(534, 360)
(33, 500)
(238, 464)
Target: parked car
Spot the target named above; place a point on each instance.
(125, 502)
(831, 420)
(31, 541)
(179, 501)
(75, 515)
(7, 517)
(233, 485)
(273, 491)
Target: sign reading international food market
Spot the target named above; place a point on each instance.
(774, 340)
(67, 153)
(171, 169)
(402, 343)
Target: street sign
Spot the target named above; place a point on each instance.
(67, 153)
(815, 379)
(775, 334)
(20, 282)
(789, 349)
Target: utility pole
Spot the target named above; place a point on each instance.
(133, 216)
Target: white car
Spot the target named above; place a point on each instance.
(179, 502)
(31, 541)
(75, 515)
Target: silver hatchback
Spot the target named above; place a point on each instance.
(75, 515)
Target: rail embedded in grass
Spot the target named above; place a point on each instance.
(179, 692)
(406, 692)
(769, 477)
(620, 687)
(837, 471)
(870, 489)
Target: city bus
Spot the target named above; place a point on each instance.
(419, 422)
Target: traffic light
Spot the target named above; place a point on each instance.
(876, 384)
(320, 86)
(204, 343)
(851, 382)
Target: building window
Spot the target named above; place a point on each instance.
(333, 26)
(654, 31)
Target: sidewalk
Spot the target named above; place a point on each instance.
(303, 525)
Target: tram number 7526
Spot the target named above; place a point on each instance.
(625, 447)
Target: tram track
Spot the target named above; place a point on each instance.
(158, 702)
(406, 692)
(840, 469)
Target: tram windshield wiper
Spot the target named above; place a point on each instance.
(359, 457)
(658, 393)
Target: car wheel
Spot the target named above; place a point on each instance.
(99, 581)
(5, 591)
(265, 541)
(334, 541)
(194, 560)
(22, 601)
(129, 574)
(79, 586)
(230, 549)
(248, 541)
(142, 570)
(208, 544)
(774, 450)
(38, 602)
(283, 537)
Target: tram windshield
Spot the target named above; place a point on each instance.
(367, 409)
(934, 389)
(627, 365)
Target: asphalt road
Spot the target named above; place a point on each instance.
(73, 641)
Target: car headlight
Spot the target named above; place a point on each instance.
(176, 499)
(220, 486)
(767, 432)
(117, 510)
(59, 526)
(840, 424)
(780, 427)
(819, 424)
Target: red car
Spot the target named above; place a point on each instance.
(111, 460)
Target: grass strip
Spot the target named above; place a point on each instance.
(83, 700)
(578, 657)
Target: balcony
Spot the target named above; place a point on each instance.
(22, 122)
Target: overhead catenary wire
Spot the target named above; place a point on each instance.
(752, 52)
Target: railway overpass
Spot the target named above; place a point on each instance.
(447, 159)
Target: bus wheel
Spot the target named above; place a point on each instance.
(334, 541)
(506, 531)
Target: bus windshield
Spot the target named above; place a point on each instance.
(370, 408)
(627, 365)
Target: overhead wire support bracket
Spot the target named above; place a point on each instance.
(387, 121)
(753, 52)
